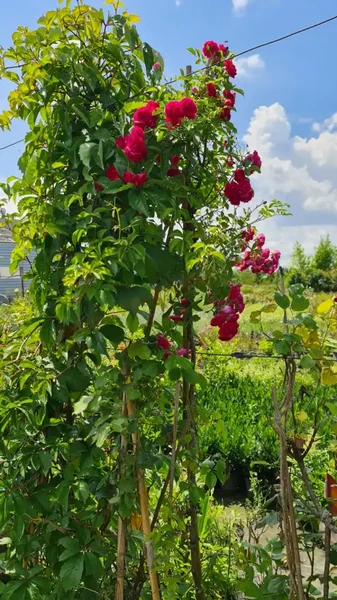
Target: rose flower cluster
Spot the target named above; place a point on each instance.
(228, 313)
(239, 190)
(226, 101)
(146, 118)
(257, 258)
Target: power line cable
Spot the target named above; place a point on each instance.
(13, 144)
(274, 41)
(289, 35)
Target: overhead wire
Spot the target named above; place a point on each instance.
(263, 45)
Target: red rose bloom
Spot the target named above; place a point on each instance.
(255, 159)
(223, 49)
(162, 342)
(137, 179)
(248, 234)
(239, 175)
(157, 66)
(239, 191)
(144, 116)
(225, 114)
(133, 144)
(230, 68)
(173, 172)
(211, 90)
(182, 352)
(260, 240)
(98, 187)
(189, 108)
(112, 173)
(229, 98)
(121, 142)
(210, 49)
(176, 318)
(173, 114)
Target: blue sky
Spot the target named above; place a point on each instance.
(292, 86)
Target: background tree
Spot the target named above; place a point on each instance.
(325, 254)
(300, 261)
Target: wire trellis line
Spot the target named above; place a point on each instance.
(249, 355)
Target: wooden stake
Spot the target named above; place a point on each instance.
(144, 510)
(121, 540)
(174, 437)
(327, 543)
(289, 520)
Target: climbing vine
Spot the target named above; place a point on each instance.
(130, 188)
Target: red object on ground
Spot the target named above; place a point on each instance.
(330, 493)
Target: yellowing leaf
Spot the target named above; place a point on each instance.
(301, 416)
(132, 18)
(255, 314)
(329, 376)
(269, 308)
(324, 307)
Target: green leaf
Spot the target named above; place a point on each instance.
(296, 290)
(74, 379)
(83, 491)
(47, 333)
(148, 58)
(307, 362)
(71, 572)
(45, 460)
(299, 303)
(82, 405)
(194, 378)
(309, 322)
(211, 480)
(282, 347)
(72, 547)
(140, 350)
(282, 300)
(93, 566)
(133, 297)
(85, 153)
(102, 435)
(132, 323)
(113, 333)
(221, 470)
(333, 408)
(137, 201)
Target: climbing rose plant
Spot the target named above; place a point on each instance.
(129, 188)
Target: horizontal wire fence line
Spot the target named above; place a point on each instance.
(263, 45)
(248, 356)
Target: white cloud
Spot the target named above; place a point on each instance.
(295, 168)
(239, 5)
(300, 171)
(283, 238)
(247, 66)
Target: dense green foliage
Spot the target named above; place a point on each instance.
(110, 446)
